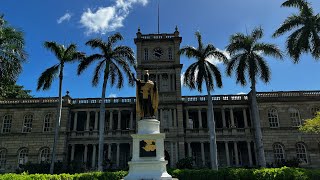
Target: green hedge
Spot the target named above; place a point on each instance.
(284, 173)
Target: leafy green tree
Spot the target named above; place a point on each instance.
(304, 27)
(247, 61)
(12, 53)
(10, 90)
(64, 55)
(204, 72)
(311, 125)
(113, 63)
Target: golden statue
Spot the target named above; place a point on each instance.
(147, 97)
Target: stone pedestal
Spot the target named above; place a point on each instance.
(148, 153)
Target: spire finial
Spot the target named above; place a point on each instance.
(176, 28)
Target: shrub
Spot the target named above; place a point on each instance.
(185, 163)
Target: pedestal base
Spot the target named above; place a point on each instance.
(148, 153)
(155, 170)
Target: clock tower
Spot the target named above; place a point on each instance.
(158, 53)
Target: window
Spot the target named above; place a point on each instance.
(165, 82)
(295, 117)
(170, 53)
(44, 155)
(146, 54)
(314, 110)
(27, 124)
(23, 156)
(273, 118)
(2, 158)
(47, 124)
(278, 152)
(302, 153)
(7, 120)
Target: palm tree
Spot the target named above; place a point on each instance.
(113, 61)
(204, 71)
(247, 61)
(12, 53)
(305, 28)
(64, 55)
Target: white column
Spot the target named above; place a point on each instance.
(111, 120)
(72, 152)
(177, 153)
(232, 118)
(131, 120)
(189, 149)
(187, 119)
(202, 154)
(249, 153)
(130, 144)
(161, 119)
(109, 151)
(171, 154)
(88, 121)
(235, 146)
(85, 153)
(170, 119)
(224, 123)
(118, 154)
(94, 149)
(245, 119)
(200, 118)
(96, 118)
(174, 117)
(119, 120)
(226, 147)
(75, 120)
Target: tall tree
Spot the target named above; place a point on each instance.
(113, 63)
(247, 61)
(203, 71)
(12, 53)
(64, 55)
(305, 28)
(11, 90)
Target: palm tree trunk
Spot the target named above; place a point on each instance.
(101, 122)
(57, 126)
(257, 127)
(212, 133)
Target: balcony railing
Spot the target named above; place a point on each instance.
(128, 100)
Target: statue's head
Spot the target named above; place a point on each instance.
(146, 76)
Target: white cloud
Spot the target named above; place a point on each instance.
(181, 78)
(241, 93)
(215, 61)
(63, 18)
(107, 19)
(112, 95)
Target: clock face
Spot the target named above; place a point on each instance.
(157, 52)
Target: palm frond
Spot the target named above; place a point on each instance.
(97, 72)
(301, 4)
(189, 76)
(268, 50)
(264, 69)
(98, 43)
(257, 33)
(126, 52)
(114, 38)
(199, 39)
(292, 22)
(84, 63)
(241, 69)
(190, 52)
(46, 78)
(55, 48)
(201, 75)
(214, 72)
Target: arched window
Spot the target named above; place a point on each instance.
(6, 125)
(48, 123)
(27, 123)
(3, 160)
(302, 153)
(278, 152)
(146, 54)
(295, 117)
(23, 156)
(170, 53)
(273, 118)
(44, 155)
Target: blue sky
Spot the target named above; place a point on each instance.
(67, 21)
